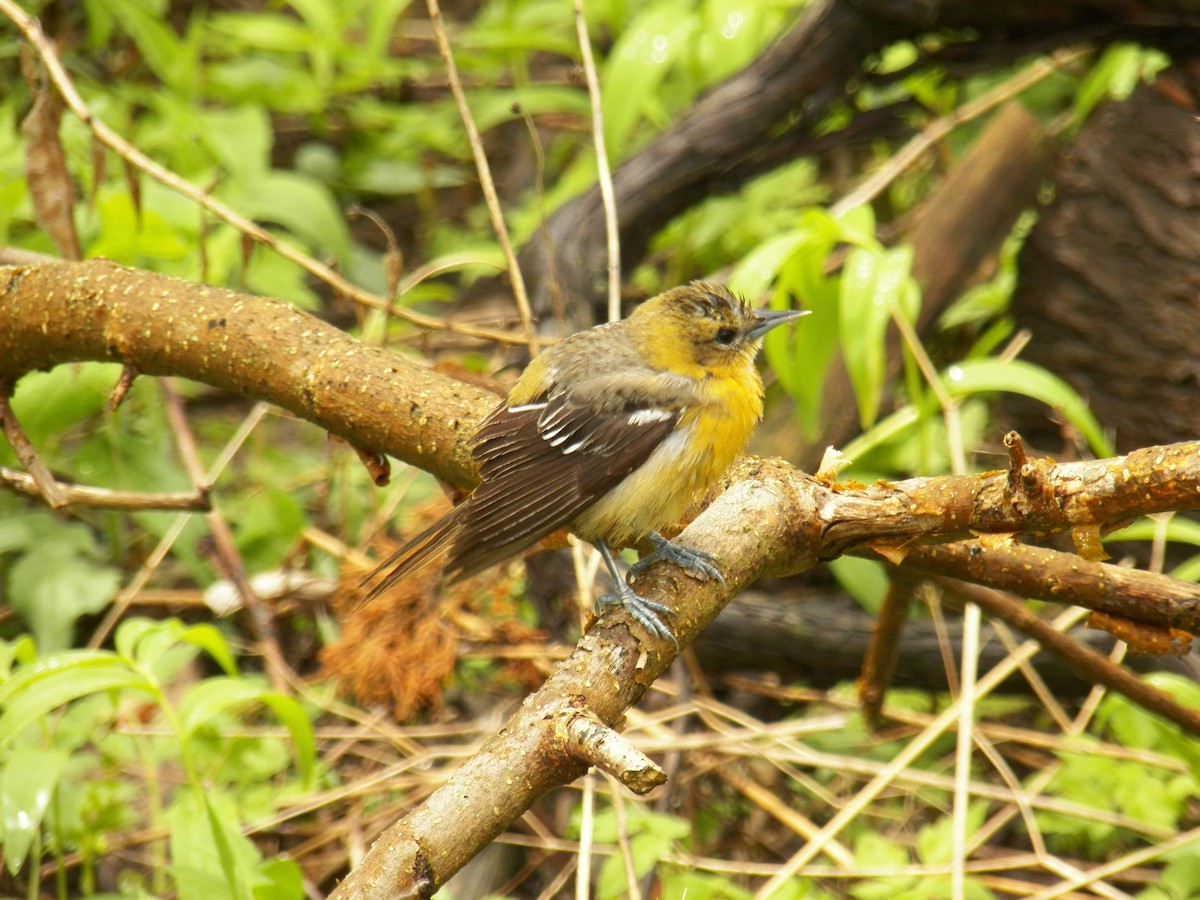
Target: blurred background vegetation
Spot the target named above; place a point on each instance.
(144, 751)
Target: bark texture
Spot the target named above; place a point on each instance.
(253, 346)
(1108, 282)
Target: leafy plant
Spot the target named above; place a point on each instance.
(41, 731)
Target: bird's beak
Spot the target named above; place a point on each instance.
(766, 319)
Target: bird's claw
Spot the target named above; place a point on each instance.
(645, 610)
(695, 562)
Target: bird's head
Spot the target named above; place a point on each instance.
(703, 328)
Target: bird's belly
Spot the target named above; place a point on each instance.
(658, 492)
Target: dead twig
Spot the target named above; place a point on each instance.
(31, 30)
(40, 475)
(261, 621)
(491, 198)
(103, 498)
(1043, 574)
(1088, 664)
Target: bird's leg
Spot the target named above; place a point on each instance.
(643, 609)
(697, 562)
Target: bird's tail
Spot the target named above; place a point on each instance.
(417, 553)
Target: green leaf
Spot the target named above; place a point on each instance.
(292, 716)
(795, 261)
(48, 404)
(935, 841)
(210, 639)
(266, 31)
(302, 205)
(1181, 877)
(1186, 531)
(873, 850)
(213, 696)
(210, 858)
(131, 238)
(1020, 377)
(857, 226)
(52, 585)
(874, 285)
(801, 355)
(37, 690)
(130, 633)
(865, 580)
(144, 642)
(27, 783)
(637, 65)
(268, 528)
(1120, 68)
(882, 432)
(239, 139)
(160, 47)
(284, 880)
(22, 650)
(686, 884)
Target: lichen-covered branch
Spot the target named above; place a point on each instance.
(261, 348)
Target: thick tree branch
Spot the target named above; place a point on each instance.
(256, 347)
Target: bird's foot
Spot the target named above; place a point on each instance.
(646, 611)
(696, 562)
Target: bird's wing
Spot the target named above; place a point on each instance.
(542, 464)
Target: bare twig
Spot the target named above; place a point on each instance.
(936, 130)
(1043, 574)
(1088, 664)
(598, 745)
(879, 664)
(261, 620)
(484, 170)
(31, 29)
(603, 173)
(102, 498)
(43, 479)
(121, 389)
(899, 763)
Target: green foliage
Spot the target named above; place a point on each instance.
(62, 749)
(651, 836)
(670, 50)
(56, 577)
(295, 111)
(1141, 792)
(1175, 529)
(1120, 68)
(1180, 879)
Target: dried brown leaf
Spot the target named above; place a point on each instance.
(51, 189)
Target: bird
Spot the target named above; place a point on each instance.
(610, 433)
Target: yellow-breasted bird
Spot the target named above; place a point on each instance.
(611, 433)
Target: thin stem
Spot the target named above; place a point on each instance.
(587, 821)
(31, 29)
(907, 155)
(491, 198)
(607, 197)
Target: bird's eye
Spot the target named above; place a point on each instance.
(726, 337)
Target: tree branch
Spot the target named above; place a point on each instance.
(256, 347)
(767, 519)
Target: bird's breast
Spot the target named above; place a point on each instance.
(688, 461)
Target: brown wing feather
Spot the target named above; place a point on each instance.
(542, 465)
(417, 553)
